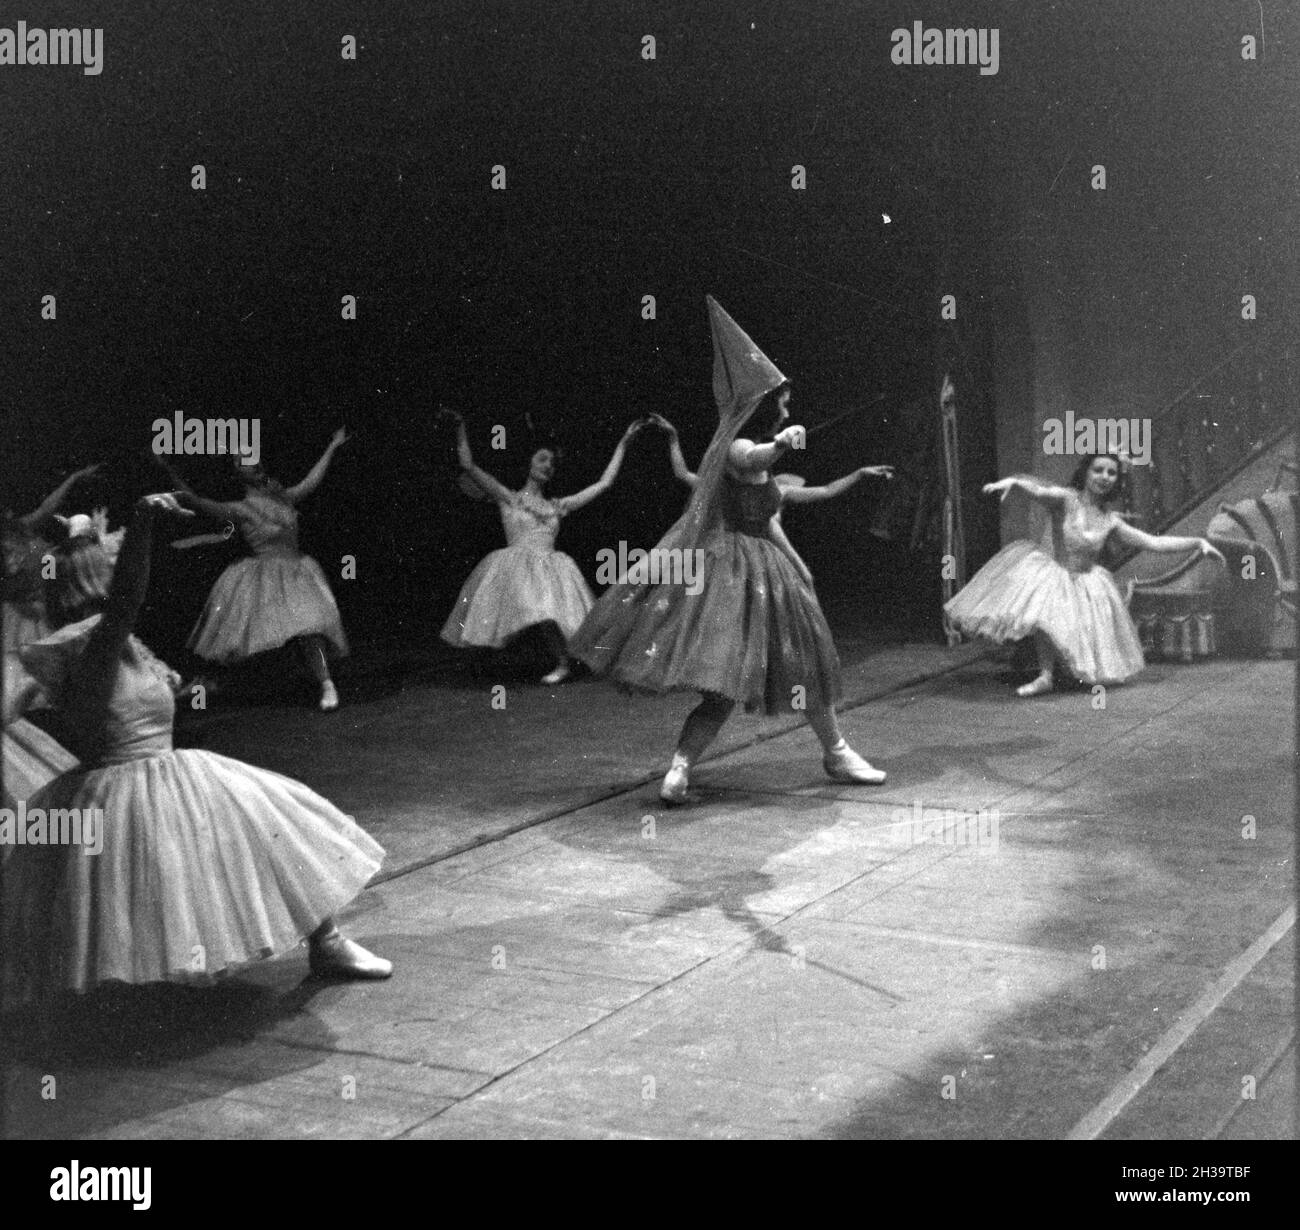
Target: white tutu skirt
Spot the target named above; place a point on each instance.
(263, 602)
(31, 759)
(516, 588)
(207, 864)
(1023, 590)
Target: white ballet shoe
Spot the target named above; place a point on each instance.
(843, 764)
(329, 696)
(676, 782)
(558, 675)
(339, 957)
(1037, 686)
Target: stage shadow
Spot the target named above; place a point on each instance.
(124, 1053)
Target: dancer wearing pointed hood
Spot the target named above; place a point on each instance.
(205, 863)
(528, 583)
(278, 595)
(1065, 599)
(753, 634)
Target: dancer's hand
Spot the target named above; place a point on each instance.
(162, 501)
(877, 471)
(340, 437)
(632, 428)
(790, 437)
(1002, 486)
(87, 471)
(1208, 548)
(659, 421)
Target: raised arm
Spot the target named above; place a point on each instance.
(750, 458)
(300, 491)
(1043, 493)
(35, 519)
(675, 457)
(497, 490)
(1165, 544)
(814, 495)
(209, 508)
(579, 498)
(97, 670)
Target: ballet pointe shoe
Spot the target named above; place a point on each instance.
(1036, 686)
(843, 764)
(676, 782)
(336, 956)
(558, 675)
(329, 696)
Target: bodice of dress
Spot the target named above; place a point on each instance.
(268, 525)
(748, 507)
(1079, 534)
(137, 720)
(530, 522)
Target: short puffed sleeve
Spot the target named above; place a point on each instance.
(50, 661)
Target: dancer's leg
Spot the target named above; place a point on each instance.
(698, 731)
(312, 650)
(332, 954)
(557, 649)
(1043, 681)
(841, 762)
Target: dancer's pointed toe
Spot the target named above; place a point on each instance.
(843, 764)
(1036, 686)
(340, 957)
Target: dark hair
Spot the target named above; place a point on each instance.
(1079, 479)
(536, 444)
(763, 422)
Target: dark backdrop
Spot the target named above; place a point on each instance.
(625, 178)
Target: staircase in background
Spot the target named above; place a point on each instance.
(1223, 423)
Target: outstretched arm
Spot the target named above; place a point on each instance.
(215, 509)
(35, 519)
(1044, 493)
(675, 457)
(300, 491)
(751, 458)
(497, 490)
(97, 671)
(569, 503)
(1166, 544)
(814, 495)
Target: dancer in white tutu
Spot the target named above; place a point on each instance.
(528, 583)
(30, 756)
(1065, 600)
(278, 595)
(25, 542)
(206, 863)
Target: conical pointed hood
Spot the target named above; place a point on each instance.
(742, 373)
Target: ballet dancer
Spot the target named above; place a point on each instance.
(754, 633)
(1066, 600)
(527, 583)
(206, 863)
(278, 595)
(30, 756)
(26, 540)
